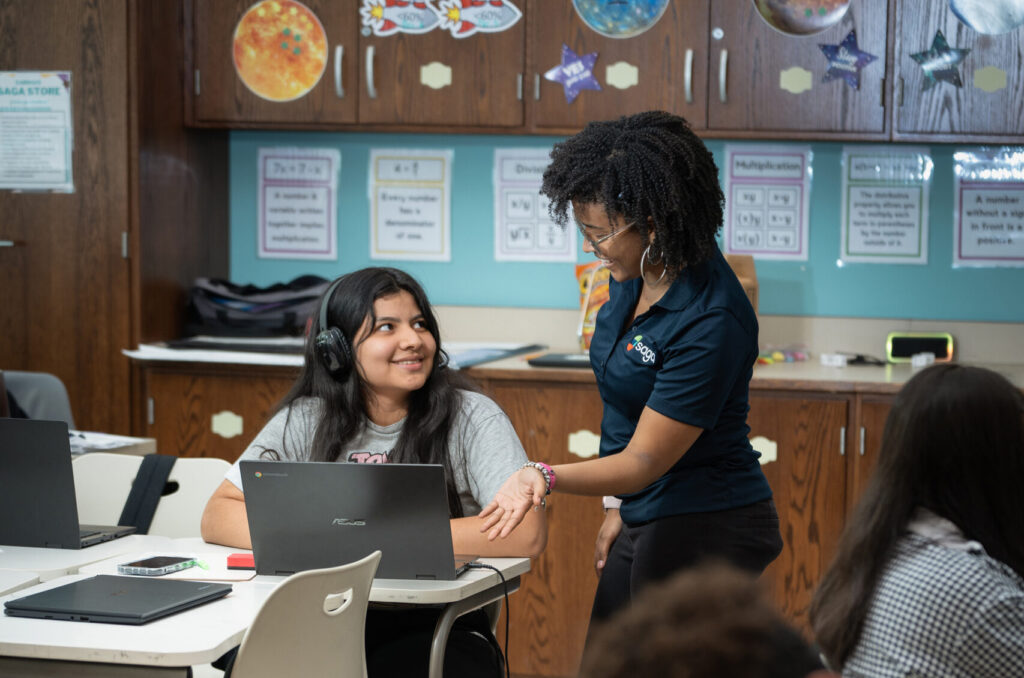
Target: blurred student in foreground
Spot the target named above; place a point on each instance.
(710, 621)
(929, 575)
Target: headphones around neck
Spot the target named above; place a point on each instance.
(331, 345)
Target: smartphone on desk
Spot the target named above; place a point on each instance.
(157, 565)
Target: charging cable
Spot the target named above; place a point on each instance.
(504, 585)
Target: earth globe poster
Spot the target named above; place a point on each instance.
(620, 18)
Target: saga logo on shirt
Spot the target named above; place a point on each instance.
(643, 351)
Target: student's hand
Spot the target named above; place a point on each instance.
(523, 490)
(606, 536)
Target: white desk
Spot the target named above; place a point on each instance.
(51, 563)
(169, 646)
(165, 647)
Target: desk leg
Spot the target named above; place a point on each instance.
(453, 611)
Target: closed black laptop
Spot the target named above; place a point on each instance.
(37, 489)
(310, 515)
(581, 360)
(116, 600)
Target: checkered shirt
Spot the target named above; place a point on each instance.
(942, 611)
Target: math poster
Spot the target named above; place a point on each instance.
(410, 204)
(988, 226)
(767, 199)
(523, 231)
(884, 207)
(298, 203)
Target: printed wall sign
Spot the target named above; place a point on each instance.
(940, 62)
(620, 19)
(523, 230)
(36, 135)
(387, 17)
(767, 195)
(410, 204)
(885, 204)
(801, 17)
(988, 219)
(280, 50)
(298, 203)
(576, 73)
(846, 60)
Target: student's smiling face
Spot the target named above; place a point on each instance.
(397, 354)
(618, 243)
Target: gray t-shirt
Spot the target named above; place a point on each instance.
(483, 446)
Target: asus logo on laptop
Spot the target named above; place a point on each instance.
(349, 522)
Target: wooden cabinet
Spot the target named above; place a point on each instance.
(872, 411)
(550, 612)
(399, 79)
(208, 410)
(802, 439)
(989, 106)
(664, 67)
(219, 95)
(96, 271)
(762, 80)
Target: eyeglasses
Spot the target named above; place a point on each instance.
(596, 243)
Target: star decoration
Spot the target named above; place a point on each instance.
(940, 62)
(575, 73)
(846, 60)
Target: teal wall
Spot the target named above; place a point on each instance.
(816, 287)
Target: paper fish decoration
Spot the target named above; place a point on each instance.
(466, 17)
(387, 17)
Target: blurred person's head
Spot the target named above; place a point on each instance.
(710, 621)
(953, 444)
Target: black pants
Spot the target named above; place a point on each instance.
(747, 537)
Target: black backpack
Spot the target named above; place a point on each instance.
(220, 308)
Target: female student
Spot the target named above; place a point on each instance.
(673, 353)
(375, 388)
(929, 575)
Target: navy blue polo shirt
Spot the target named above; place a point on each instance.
(689, 357)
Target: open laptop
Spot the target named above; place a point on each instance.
(116, 599)
(309, 515)
(37, 489)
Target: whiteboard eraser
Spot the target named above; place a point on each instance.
(833, 360)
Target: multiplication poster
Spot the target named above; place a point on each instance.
(523, 231)
(298, 203)
(988, 228)
(767, 199)
(884, 208)
(410, 204)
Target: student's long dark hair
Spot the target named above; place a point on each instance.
(647, 165)
(433, 409)
(953, 444)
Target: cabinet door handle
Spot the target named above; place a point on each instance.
(8, 243)
(723, 69)
(842, 441)
(370, 88)
(536, 86)
(688, 76)
(519, 86)
(899, 93)
(339, 55)
(862, 441)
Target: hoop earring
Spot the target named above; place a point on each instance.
(643, 273)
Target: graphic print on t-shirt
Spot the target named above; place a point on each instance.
(369, 457)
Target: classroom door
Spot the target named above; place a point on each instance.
(64, 284)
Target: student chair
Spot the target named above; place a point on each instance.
(40, 395)
(313, 624)
(104, 479)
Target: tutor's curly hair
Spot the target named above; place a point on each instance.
(647, 165)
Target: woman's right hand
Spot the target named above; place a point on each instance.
(523, 490)
(610, 529)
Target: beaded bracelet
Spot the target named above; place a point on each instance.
(546, 471)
